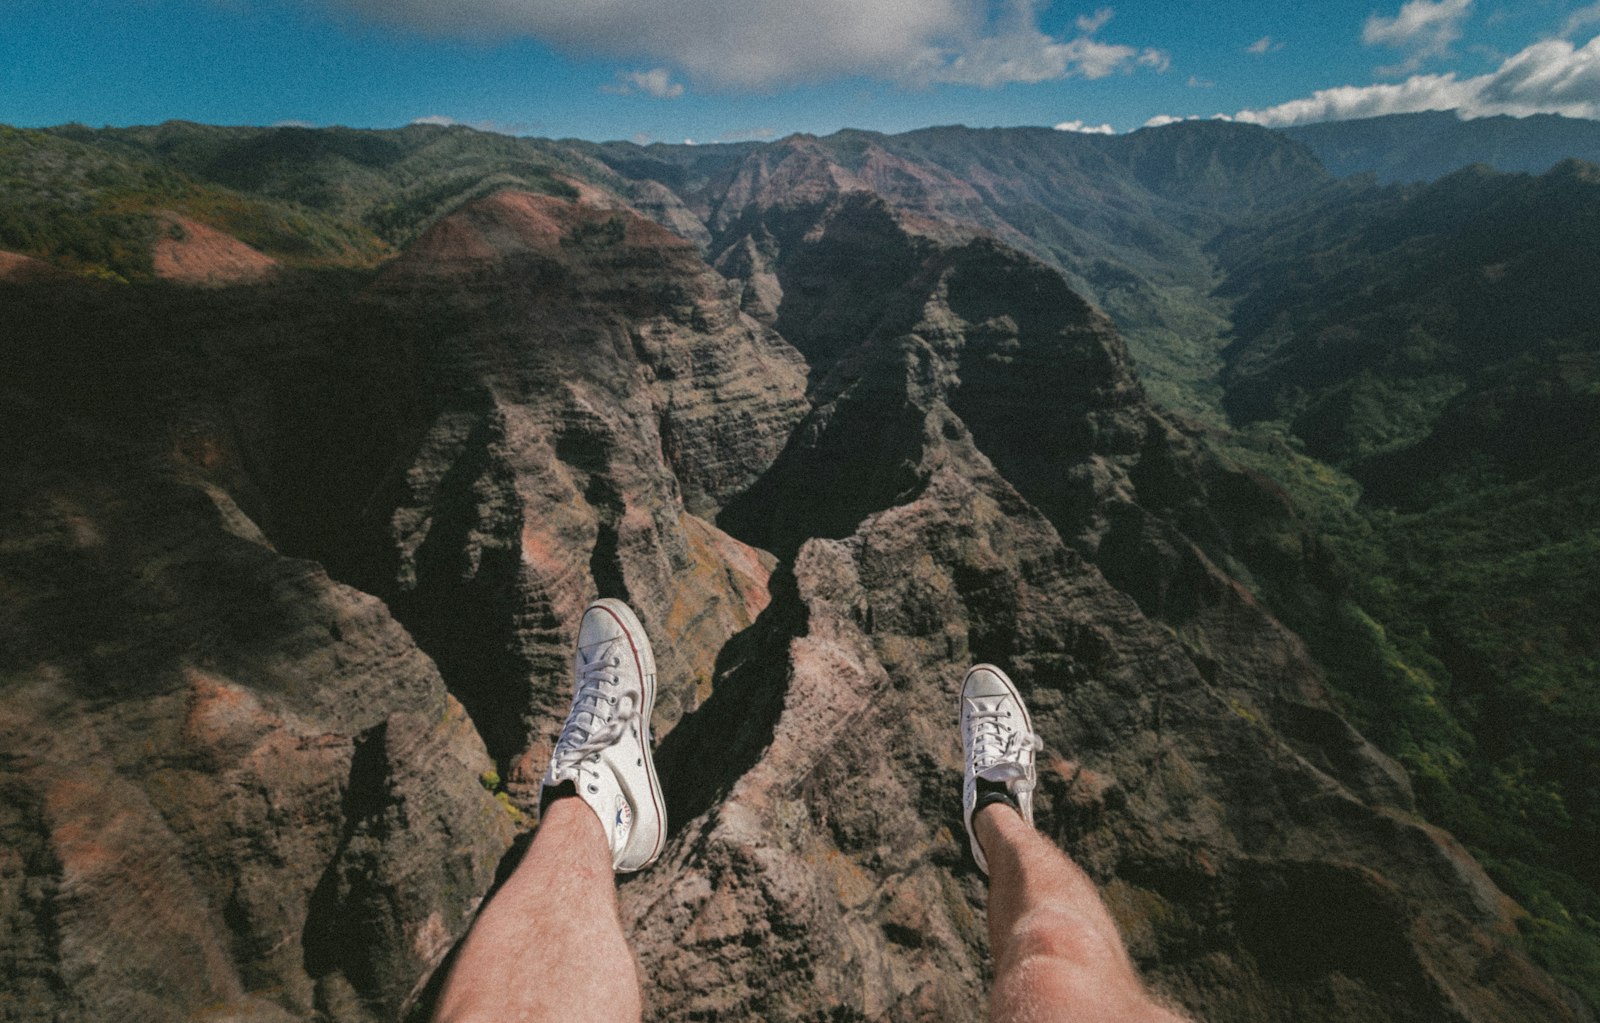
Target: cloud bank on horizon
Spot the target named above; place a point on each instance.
(738, 44)
(732, 46)
(1551, 76)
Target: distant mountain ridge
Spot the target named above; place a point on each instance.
(1426, 146)
(1125, 219)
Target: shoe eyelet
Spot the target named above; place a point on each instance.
(594, 788)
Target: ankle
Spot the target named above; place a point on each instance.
(549, 795)
(994, 793)
(994, 822)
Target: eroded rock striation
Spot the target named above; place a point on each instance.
(591, 396)
(228, 782)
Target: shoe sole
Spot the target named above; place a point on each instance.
(647, 676)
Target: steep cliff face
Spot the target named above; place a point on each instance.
(591, 394)
(1046, 387)
(229, 783)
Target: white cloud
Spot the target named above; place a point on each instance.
(743, 45)
(656, 82)
(1581, 18)
(1425, 29)
(1263, 45)
(1086, 129)
(438, 119)
(1196, 82)
(1027, 55)
(1551, 76)
(1089, 24)
(1162, 120)
(1160, 60)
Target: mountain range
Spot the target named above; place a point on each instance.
(1264, 461)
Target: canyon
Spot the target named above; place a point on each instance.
(295, 551)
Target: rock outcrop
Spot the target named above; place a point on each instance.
(228, 782)
(590, 397)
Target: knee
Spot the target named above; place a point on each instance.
(1067, 938)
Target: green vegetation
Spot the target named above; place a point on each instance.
(1463, 639)
(94, 211)
(393, 184)
(88, 199)
(60, 206)
(1420, 369)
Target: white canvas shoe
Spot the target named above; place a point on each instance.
(604, 748)
(998, 746)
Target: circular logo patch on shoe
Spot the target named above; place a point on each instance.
(622, 823)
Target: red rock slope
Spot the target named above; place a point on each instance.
(188, 252)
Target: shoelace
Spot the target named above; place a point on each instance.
(598, 717)
(998, 749)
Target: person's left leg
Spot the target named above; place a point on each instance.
(1057, 953)
(549, 944)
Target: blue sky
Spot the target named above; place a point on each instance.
(709, 70)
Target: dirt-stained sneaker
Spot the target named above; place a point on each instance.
(998, 745)
(604, 748)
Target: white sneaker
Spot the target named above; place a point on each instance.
(604, 748)
(998, 745)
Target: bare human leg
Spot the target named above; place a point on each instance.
(1057, 954)
(549, 945)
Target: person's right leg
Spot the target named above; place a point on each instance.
(1057, 954)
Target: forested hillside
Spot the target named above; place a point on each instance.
(1438, 348)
